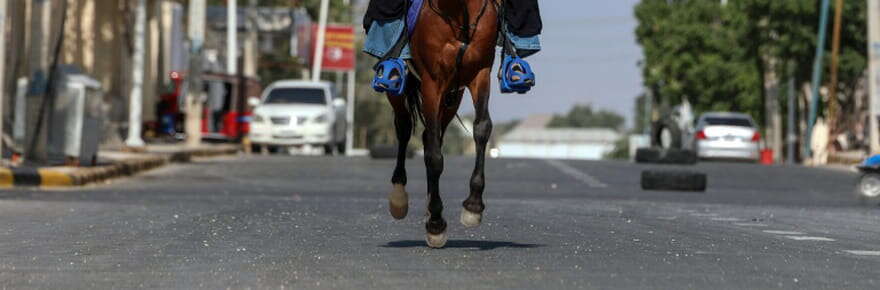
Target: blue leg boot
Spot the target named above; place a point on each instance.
(516, 75)
(390, 76)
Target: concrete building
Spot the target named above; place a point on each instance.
(531, 139)
(98, 41)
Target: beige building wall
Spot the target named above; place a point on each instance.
(99, 40)
(95, 42)
(153, 75)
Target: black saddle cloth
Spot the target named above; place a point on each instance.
(523, 16)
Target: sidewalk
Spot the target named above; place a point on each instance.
(115, 164)
(847, 157)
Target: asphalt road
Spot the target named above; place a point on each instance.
(322, 223)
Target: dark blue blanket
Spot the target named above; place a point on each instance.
(412, 16)
(523, 16)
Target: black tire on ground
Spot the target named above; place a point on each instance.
(340, 147)
(383, 151)
(328, 150)
(674, 180)
(669, 125)
(666, 156)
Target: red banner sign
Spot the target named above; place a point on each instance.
(339, 54)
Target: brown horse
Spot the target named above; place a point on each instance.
(453, 47)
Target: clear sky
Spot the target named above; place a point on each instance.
(589, 56)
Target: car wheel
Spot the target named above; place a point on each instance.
(383, 151)
(665, 138)
(869, 189)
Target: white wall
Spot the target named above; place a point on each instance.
(553, 150)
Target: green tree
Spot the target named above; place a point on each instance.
(690, 52)
(583, 116)
(717, 55)
(621, 149)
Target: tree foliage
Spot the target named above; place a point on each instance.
(338, 12)
(718, 55)
(583, 116)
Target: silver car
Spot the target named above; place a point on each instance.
(727, 136)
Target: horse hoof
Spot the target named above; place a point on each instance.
(398, 202)
(470, 219)
(436, 241)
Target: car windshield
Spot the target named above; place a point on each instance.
(728, 121)
(296, 96)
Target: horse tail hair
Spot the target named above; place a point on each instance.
(414, 100)
(460, 122)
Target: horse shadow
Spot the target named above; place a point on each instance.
(463, 244)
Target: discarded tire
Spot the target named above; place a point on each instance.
(666, 156)
(675, 180)
(673, 134)
(386, 152)
(383, 151)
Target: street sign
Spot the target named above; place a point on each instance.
(339, 54)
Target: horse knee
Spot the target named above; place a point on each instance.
(482, 130)
(434, 162)
(433, 157)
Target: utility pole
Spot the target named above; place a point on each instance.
(135, 100)
(318, 62)
(3, 6)
(195, 97)
(817, 76)
(873, 73)
(349, 112)
(792, 101)
(38, 66)
(833, 107)
(250, 51)
(231, 36)
(772, 117)
(648, 107)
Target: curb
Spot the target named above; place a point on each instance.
(845, 160)
(67, 177)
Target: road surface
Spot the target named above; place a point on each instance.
(280, 222)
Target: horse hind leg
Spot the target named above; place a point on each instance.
(473, 206)
(398, 199)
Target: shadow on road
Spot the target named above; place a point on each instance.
(463, 244)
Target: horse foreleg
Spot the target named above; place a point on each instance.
(472, 213)
(398, 199)
(433, 141)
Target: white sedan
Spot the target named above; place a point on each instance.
(298, 113)
(727, 136)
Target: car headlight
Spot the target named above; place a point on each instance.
(258, 118)
(321, 119)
